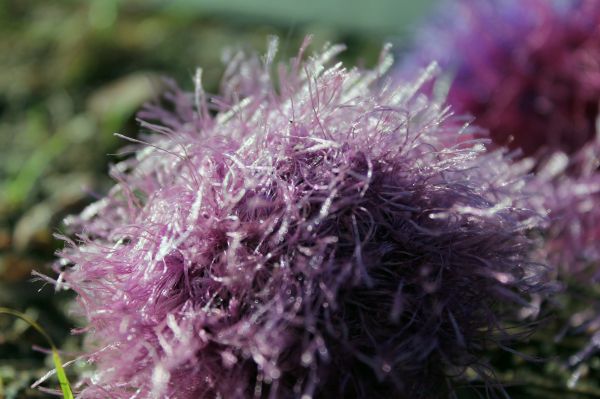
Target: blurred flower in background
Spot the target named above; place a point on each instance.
(529, 72)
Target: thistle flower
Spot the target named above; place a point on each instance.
(529, 71)
(314, 240)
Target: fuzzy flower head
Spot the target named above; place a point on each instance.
(529, 71)
(310, 240)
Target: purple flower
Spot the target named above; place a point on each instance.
(312, 237)
(529, 71)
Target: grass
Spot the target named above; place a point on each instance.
(63, 381)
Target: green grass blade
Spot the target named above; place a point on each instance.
(60, 372)
(62, 376)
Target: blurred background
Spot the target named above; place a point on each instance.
(74, 72)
